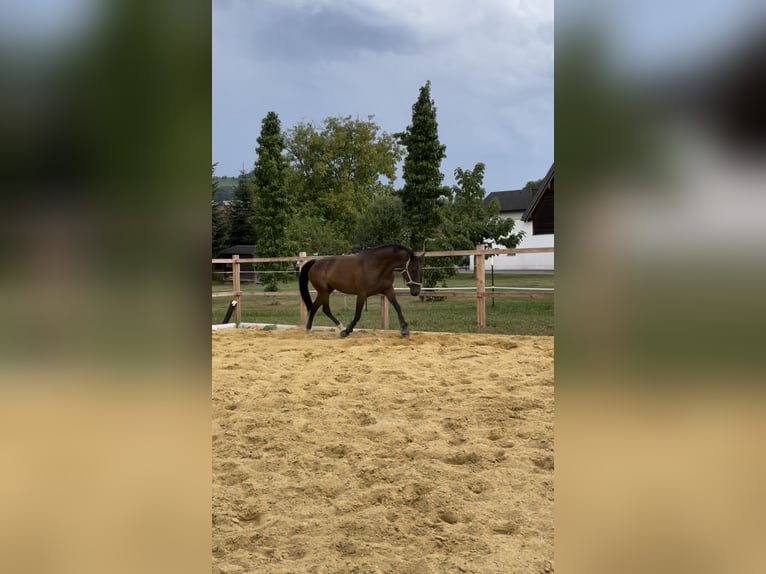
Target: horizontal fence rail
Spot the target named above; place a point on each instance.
(479, 292)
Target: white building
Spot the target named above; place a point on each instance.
(532, 212)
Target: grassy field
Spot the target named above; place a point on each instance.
(508, 316)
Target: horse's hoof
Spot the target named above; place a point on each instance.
(343, 333)
(405, 333)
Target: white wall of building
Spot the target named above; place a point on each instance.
(523, 261)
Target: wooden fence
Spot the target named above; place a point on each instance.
(480, 293)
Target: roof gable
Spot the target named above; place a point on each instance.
(545, 185)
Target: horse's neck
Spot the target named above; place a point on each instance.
(393, 262)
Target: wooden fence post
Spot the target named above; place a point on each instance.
(304, 311)
(383, 312)
(236, 288)
(481, 309)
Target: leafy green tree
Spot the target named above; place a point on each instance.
(468, 222)
(382, 223)
(316, 236)
(338, 169)
(272, 204)
(532, 184)
(422, 191)
(241, 211)
(219, 224)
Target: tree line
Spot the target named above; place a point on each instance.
(330, 189)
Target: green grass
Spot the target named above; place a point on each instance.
(507, 316)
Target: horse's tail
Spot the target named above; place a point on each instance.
(303, 283)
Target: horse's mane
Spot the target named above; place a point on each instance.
(394, 246)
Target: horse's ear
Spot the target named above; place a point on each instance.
(422, 255)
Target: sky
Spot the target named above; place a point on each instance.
(490, 63)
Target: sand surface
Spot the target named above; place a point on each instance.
(381, 454)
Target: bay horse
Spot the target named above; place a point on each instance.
(363, 274)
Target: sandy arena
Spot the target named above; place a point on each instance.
(374, 453)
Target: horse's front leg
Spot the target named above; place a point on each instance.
(391, 296)
(360, 299)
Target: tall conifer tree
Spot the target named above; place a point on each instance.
(422, 175)
(272, 206)
(241, 230)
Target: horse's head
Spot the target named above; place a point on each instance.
(412, 275)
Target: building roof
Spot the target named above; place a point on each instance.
(538, 195)
(511, 200)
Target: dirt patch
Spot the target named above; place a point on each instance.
(382, 454)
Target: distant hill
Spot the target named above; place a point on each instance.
(225, 190)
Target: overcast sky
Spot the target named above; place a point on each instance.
(490, 63)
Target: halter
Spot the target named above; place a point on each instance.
(408, 278)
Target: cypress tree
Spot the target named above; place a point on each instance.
(272, 206)
(241, 230)
(422, 175)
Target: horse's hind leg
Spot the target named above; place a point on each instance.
(360, 299)
(323, 301)
(326, 310)
(312, 312)
(320, 301)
